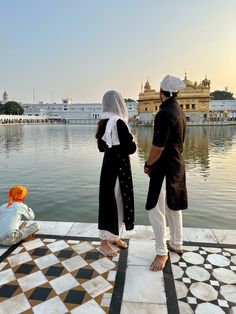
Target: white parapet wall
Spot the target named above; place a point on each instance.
(7, 119)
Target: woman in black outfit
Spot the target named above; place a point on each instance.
(116, 198)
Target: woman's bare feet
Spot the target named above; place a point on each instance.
(23, 224)
(120, 243)
(159, 262)
(106, 248)
(29, 238)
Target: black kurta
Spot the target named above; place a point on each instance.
(169, 132)
(116, 164)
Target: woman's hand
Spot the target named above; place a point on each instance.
(147, 170)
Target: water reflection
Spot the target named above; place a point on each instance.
(143, 137)
(196, 150)
(12, 138)
(200, 142)
(221, 138)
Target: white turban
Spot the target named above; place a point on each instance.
(114, 108)
(172, 84)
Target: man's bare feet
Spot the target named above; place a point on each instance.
(106, 248)
(170, 248)
(159, 262)
(120, 243)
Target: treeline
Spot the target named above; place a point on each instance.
(222, 95)
(11, 107)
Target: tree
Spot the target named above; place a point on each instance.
(11, 107)
(128, 100)
(222, 95)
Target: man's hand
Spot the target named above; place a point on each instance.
(155, 154)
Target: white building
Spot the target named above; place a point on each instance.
(65, 112)
(71, 113)
(132, 107)
(223, 109)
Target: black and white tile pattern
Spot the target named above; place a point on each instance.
(61, 275)
(204, 279)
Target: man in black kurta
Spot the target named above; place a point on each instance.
(167, 194)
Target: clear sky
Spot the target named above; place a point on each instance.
(82, 48)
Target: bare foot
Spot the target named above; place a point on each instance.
(106, 248)
(23, 224)
(120, 243)
(159, 262)
(29, 238)
(170, 248)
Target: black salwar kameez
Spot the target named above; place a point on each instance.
(116, 164)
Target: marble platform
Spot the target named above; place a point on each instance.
(202, 280)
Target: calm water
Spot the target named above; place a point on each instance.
(60, 164)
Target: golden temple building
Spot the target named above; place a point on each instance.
(194, 100)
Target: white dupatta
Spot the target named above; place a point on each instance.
(114, 108)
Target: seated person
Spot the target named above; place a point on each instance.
(12, 230)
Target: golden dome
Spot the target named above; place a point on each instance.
(189, 83)
(206, 82)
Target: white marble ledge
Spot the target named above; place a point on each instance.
(68, 228)
(220, 236)
(90, 230)
(84, 230)
(225, 236)
(199, 235)
(140, 232)
(54, 227)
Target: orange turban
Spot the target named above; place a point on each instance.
(17, 194)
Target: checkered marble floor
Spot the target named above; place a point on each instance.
(53, 274)
(202, 280)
